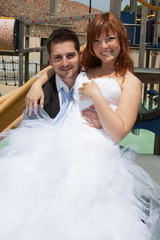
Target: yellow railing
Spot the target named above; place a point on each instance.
(149, 5)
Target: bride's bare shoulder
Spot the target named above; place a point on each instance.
(132, 77)
(131, 81)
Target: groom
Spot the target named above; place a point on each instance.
(64, 55)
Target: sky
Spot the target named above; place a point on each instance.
(102, 5)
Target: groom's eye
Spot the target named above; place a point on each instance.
(70, 56)
(57, 58)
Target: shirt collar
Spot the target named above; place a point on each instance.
(60, 84)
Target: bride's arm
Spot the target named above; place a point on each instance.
(36, 92)
(116, 124)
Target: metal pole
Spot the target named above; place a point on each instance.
(27, 55)
(90, 4)
(21, 43)
(156, 34)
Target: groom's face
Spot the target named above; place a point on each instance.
(65, 60)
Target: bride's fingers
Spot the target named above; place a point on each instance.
(85, 84)
(82, 97)
(81, 88)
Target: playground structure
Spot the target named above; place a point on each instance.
(39, 28)
(34, 33)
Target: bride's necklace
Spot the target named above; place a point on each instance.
(105, 74)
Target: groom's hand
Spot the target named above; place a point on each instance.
(33, 96)
(91, 116)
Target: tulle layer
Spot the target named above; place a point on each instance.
(67, 181)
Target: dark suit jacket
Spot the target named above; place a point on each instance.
(51, 100)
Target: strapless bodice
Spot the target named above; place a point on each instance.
(109, 88)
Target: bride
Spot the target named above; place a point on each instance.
(64, 180)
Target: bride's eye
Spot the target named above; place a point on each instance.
(111, 38)
(96, 41)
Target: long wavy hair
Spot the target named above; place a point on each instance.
(108, 23)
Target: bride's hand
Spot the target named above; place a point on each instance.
(89, 90)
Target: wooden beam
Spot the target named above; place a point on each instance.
(115, 7)
(142, 37)
(133, 8)
(148, 75)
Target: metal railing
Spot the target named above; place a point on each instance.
(9, 72)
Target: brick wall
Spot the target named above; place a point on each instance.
(30, 8)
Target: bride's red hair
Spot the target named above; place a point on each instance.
(107, 22)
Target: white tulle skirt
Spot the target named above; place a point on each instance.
(68, 181)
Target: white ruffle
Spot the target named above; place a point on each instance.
(68, 181)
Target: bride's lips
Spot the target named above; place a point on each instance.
(106, 53)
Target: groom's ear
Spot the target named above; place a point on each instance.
(49, 59)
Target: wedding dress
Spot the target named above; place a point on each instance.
(67, 181)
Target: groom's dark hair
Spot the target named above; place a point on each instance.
(61, 35)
